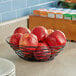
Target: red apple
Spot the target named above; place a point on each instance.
(50, 31)
(22, 30)
(28, 42)
(40, 32)
(55, 39)
(42, 52)
(44, 39)
(14, 40)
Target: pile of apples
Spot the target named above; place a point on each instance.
(37, 41)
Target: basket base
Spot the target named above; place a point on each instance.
(34, 60)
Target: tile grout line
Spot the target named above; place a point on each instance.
(11, 4)
(12, 7)
(16, 14)
(26, 3)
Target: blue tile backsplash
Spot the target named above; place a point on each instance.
(5, 7)
(18, 4)
(12, 9)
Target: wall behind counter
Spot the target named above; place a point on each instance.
(12, 9)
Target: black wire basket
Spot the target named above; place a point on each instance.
(26, 53)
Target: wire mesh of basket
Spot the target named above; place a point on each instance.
(31, 53)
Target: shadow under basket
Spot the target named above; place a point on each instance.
(30, 53)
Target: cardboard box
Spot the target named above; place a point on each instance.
(41, 12)
(67, 26)
(73, 16)
(51, 14)
(44, 13)
(73, 13)
(67, 16)
(36, 12)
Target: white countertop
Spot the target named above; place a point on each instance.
(63, 65)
